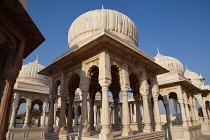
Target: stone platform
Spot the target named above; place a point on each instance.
(116, 136)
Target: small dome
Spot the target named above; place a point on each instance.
(28, 73)
(91, 22)
(169, 63)
(194, 78)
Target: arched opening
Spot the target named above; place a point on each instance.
(136, 108)
(20, 118)
(175, 116)
(94, 88)
(36, 112)
(162, 110)
(73, 85)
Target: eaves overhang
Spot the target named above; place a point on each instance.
(107, 37)
(14, 9)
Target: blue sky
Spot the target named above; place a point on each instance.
(180, 28)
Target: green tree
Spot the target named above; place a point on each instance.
(35, 114)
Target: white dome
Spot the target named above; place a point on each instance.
(28, 73)
(91, 22)
(194, 78)
(170, 63)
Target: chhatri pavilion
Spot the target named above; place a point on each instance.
(104, 59)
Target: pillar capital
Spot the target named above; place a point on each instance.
(144, 93)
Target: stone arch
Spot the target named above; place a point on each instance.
(56, 89)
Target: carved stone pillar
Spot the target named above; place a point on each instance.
(95, 114)
(40, 114)
(116, 125)
(84, 116)
(166, 105)
(134, 114)
(105, 114)
(126, 131)
(187, 113)
(91, 116)
(76, 115)
(44, 114)
(70, 119)
(50, 128)
(158, 126)
(184, 119)
(105, 81)
(138, 115)
(14, 111)
(27, 117)
(62, 119)
(131, 111)
(13, 116)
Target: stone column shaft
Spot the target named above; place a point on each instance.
(28, 110)
(116, 125)
(50, 128)
(69, 118)
(84, 116)
(188, 114)
(131, 112)
(147, 118)
(105, 114)
(95, 114)
(62, 118)
(138, 115)
(184, 119)
(91, 116)
(76, 116)
(13, 117)
(158, 126)
(43, 116)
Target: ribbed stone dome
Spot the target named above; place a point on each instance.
(91, 22)
(170, 63)
(28, 73)
(194, 77)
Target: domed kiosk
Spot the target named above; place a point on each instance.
(32, 89)
(103, 55)
(174, 85)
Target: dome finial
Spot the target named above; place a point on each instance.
(158, 51)
(37, 57)
(186, 67)
(102, 7)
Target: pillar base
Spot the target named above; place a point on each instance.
(116, 127)
(105, 136)
(26, 126)
(84, 132)
(2, 136)
(91, 128)
(127, 132)
(63, 130)
(50, 130)
(11, 127)
(158, 128)
(205, 126)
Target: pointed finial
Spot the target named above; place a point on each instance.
(158, 51)
(186, 67)
(102, 7)
(37, 57)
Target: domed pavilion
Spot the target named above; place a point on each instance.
(104, 58)
(177, 86)
(33, 89)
